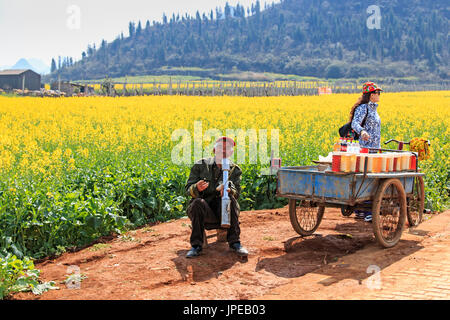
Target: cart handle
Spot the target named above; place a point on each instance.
(393, 140)
(399, 142)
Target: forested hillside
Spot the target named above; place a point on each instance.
(304, 37)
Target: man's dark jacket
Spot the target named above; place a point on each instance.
(207, 170)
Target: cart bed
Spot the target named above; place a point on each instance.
(323, 186)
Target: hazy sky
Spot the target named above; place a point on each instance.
(47, 28)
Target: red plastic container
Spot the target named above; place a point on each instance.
(336, 167)
(412, 163)
(364, 150)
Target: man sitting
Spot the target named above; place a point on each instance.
(206, 188)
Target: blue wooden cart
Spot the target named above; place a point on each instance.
(391, 197)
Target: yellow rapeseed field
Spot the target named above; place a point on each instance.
(35, 132)
(209, 84)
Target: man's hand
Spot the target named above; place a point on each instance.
(220, 189)
(202, 185)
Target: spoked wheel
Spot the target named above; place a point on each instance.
(346, 211)
(305, 216)
(389, 212)
(416, 203)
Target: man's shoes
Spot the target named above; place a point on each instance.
(239, 249)
(194, 252)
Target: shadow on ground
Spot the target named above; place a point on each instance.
(215, 259)
(319, 254)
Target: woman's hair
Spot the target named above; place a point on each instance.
(364, 99)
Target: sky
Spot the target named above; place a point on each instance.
(50, 28)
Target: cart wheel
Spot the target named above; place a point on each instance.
(346, 211)
(306, 217)
(389, 212)
(416, 203)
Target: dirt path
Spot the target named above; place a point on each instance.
(150, 263)
(417, 268)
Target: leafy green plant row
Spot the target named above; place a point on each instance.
(38, 218)
(18, 275)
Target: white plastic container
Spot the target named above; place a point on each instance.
(405, 161)
(384, 163)
(362, 159)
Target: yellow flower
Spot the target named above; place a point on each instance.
(68, 153)
(71, 163)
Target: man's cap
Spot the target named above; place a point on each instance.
(226, 140)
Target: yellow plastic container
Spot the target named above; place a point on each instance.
(376, 163)
(353, 162)
(370, 162)
(345, 162)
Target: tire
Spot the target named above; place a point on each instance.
(416, 203)
(306, 217)
(389, 212)
(346, 211)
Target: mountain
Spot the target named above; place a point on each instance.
(22, 64)
(39, 66)
(322, 38)
(34, 64)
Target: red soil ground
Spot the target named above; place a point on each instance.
(150, 263)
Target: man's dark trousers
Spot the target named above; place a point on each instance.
(208, 216)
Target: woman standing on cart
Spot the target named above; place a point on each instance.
(367, 124)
